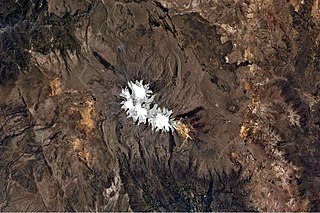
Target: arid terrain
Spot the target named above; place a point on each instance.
(242, 75)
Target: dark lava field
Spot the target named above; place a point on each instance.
(243, 76)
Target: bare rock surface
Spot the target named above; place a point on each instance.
(243, 75)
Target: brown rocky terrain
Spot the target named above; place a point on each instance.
(243, 75)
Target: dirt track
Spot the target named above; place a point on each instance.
(243, 74)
